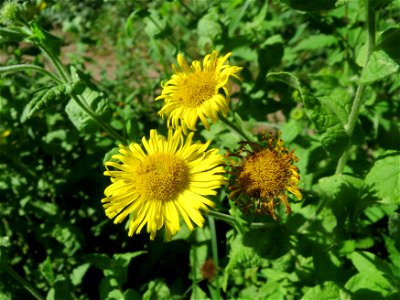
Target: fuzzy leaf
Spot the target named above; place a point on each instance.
(286, 78)
(49, 96)
(81, 120)
(327, 115)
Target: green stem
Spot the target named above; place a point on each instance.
(214, 250)
(358, 98)
(234, 223)
(223, 217)
(235, 128)
(22, 281)
(24, 67)
(159, 28)
(82, 104)
(80, 100)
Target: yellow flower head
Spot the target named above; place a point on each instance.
(169, 179)
(263, 175)
(199, 91)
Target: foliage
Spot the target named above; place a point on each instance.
(80, 77)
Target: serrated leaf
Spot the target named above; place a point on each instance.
(384, 178)
(379, 66)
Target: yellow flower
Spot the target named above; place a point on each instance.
(169, 180)
(199, 91)
(263, 175)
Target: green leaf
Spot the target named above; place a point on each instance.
(316, 42)
(271, 52)
(81, 120)
(157, 290)
(46, 269)
(371, 287)
(394, 229)
(45, 98)
(329, 290)
(9, 35)
(249, 251)
(286, 78)
(327, 114)
(199, 253)
(78, 273)
(60, 290)
(45, 38)
(198, 293)
(119, 266)
(208, 28)
(100, 261)
(384, 177)
(379, 66)
(389, 43)
(316, 5)
(367, 263)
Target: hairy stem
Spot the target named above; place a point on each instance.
(80, 100)
(358, 98)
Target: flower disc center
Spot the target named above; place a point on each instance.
(162, 176)
(265, 174)
(198, 87)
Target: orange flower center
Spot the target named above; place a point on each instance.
(265, 174)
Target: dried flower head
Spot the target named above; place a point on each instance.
(262, 174)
